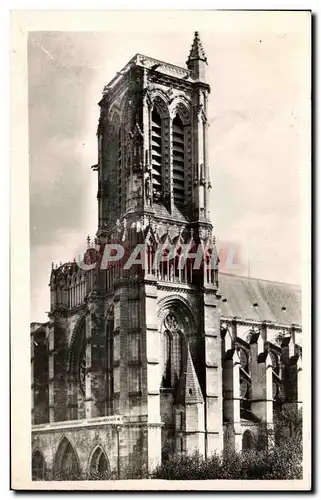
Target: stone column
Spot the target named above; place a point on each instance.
(292, 372)
(121, 348)
(261, 374)
(57, 367)
(195, 430)
(95, 363)
(136, 370)
(51, 372)
(213, 374)
(151, 349)
(231, 397)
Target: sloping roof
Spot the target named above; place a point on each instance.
(188, 388)
(239, 294)
(193, 393)
(161, 211)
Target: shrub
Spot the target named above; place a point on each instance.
(280, 462)
(278, 455)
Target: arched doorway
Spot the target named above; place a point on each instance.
(247, 441)
(38, 466)
(99, 467)
(66, 462)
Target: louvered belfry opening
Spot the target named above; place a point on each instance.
(119, 169)
(156, 154)
(178, 161)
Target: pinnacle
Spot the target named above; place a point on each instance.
(197, 51)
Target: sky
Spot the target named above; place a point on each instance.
(258, 64)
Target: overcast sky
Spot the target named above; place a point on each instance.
(259, 102)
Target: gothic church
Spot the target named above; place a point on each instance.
(138, 364)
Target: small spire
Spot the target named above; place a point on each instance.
(88, 241)
(197, 50)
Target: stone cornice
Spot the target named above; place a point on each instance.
(177, 287)
(78, 424)
(254, 323)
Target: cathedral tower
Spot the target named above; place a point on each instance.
(161, 307)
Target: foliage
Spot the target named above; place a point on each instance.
(278, 455)
(280, 462)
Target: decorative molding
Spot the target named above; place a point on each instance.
(255, 323)
(110, 420)
(174, 287)
(162, 67)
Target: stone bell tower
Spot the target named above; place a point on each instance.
(162, 318)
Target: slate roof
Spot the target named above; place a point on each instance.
(239, 294)
(188, 389)
(193, 393)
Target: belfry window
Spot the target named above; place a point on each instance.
(178, 161)
(119, 169)
(156, 154)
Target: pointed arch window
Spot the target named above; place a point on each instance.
(67, 464)
(156, 151)
(119, 169)
(178, 150)
(40, 372)
(248, 442)
(82, 368)
(167, 375)
(38, 466)
(177, 355)
(173, 352)
(99, 467)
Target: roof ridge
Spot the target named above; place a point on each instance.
(253, 278)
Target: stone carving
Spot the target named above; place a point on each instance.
(136, 147)
(160, 66)
(148, 189)
(171, 322)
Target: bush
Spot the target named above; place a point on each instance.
(280, 462)
(278, 455)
